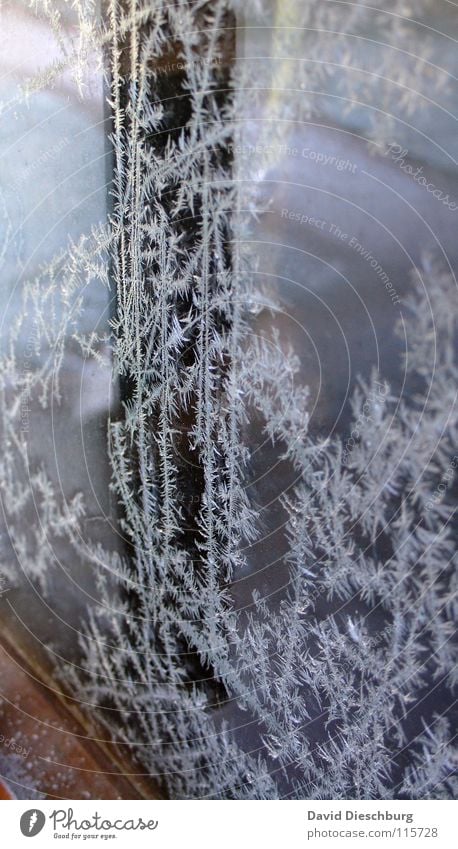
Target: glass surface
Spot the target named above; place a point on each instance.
(338, 170)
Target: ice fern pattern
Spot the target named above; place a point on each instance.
(327, 691)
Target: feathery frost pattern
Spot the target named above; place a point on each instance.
(321, 693)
